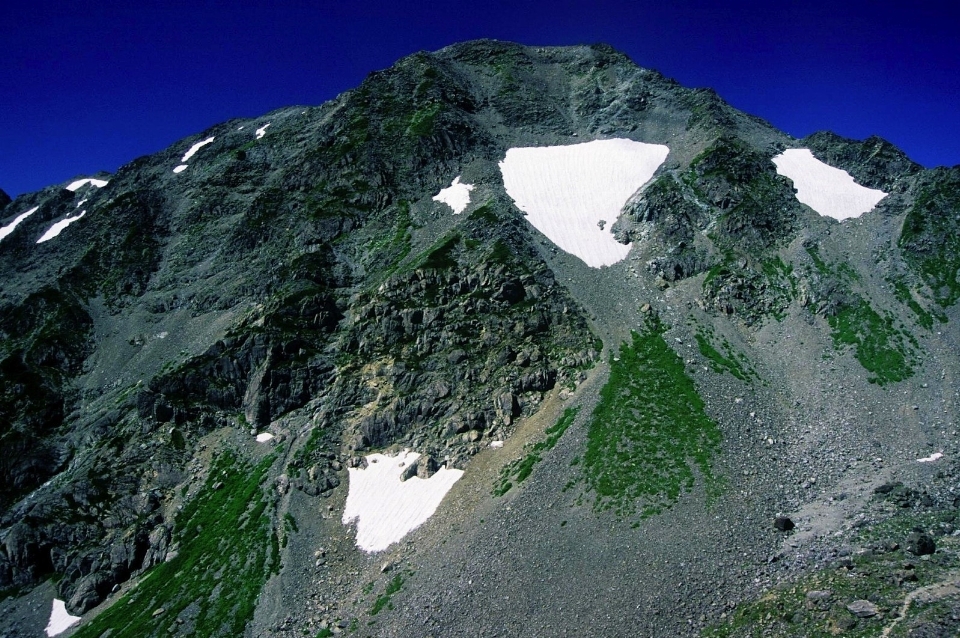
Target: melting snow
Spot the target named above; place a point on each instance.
(6, 230)
(180, 169)
(57, 228)
(496, 443)
(456, 196)
(829, 191)
(196, 147)
(573, 194)
(385, 508)
(75, 186)
(60, 620)
(263, 437)
(262, 130)
(933, 457)
(81, 202)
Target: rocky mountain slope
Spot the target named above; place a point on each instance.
(750, 361)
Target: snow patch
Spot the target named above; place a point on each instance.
(75, 186)
(196, 147)
(82, 202)
(385, 508)
(180, 168)
(569, 193)
(830, 191)
(6, 230)
(60, 620)
(456, 196)
(263, 437)
(262, 130)
(57, 228)
(930, 459)
(496, 443)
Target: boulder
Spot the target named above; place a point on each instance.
(783, 523)
(920, 543)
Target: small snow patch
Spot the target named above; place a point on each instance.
(930, 459)
(567, 190)
(262, 130)
(496, 443)
(263, 437)
(57, 228)
(239, 128)
(6, 230)
(196, 147)
(456, 196)
(385, 508)
(75, 186)
(829, 191)
(82, 202)
(60, 619)
(180, 168)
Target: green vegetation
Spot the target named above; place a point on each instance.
(929, 238)
(422, 121)
(649, 438)
(517, 471)
(394, 247)
(733, 363)
(883, 349)
(879, 347)
(383, 601)
(786, 611)
(228, 548)
(924, 317)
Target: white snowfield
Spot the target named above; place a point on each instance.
(567, 191)
(57, 228)
(77, 185)
(180, 168)
(829, 191)
(262, 130)
(930, 459)
(60, 620)
(456, 196)
(6, 230)
(196, 147)
(263, 437)
(385, 508)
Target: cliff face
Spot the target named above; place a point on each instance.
(296, 275)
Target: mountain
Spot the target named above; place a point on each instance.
(506, 341)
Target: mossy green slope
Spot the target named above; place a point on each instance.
(649, 438)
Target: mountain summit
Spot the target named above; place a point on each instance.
(507, 340)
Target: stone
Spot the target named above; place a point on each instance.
(920, 543)
(818, 599)
(783, 523)
(862, 609)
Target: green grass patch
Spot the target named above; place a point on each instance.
(228, 548)
(929, 238)
(924, 317)
(733, 362)
(517, 471)
(649, 439)
(423, 120)
(383, 601)
(879, 346)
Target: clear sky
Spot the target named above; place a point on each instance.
(88, 86)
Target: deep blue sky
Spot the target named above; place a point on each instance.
(86, 86)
